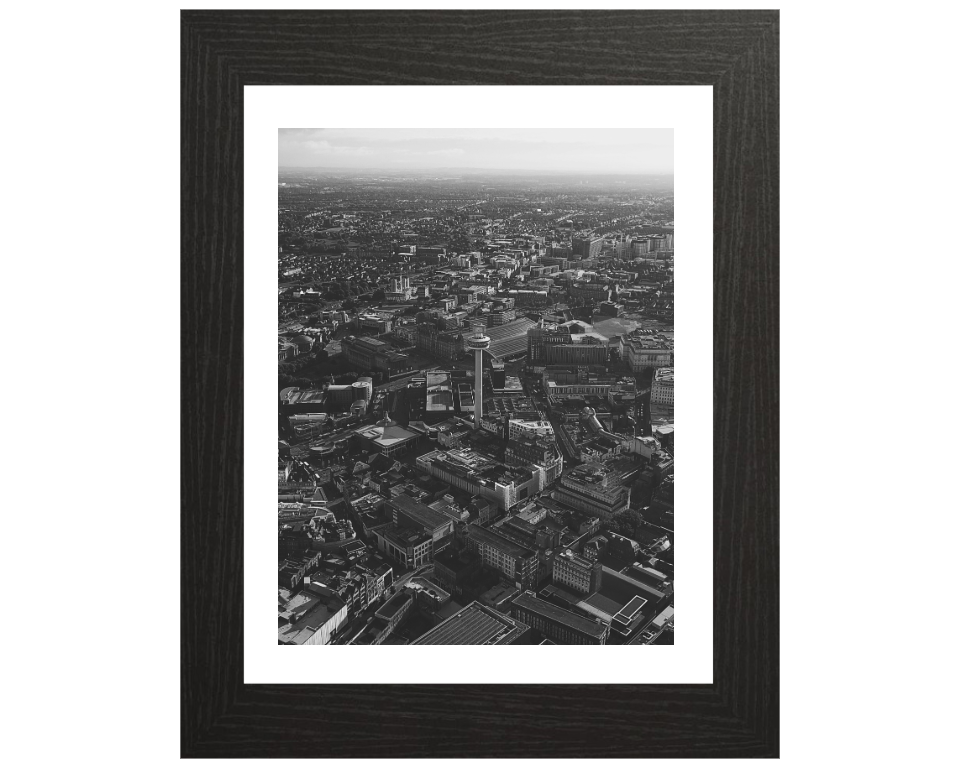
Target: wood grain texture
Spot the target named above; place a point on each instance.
(734, 51)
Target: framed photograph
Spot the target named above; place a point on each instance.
(481, 309)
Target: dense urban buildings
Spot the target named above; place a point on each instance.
(662, 390)
(475, 408)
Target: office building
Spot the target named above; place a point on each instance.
(373, 322)
(340, 395)
(578, 573)
(560, 381)
(622, 603)
(386, 436)
(515, 563)
(498, 375)
(529, 428)
(408, 513)
(480, 475)
(586, 247)
(501, 316)
(661, 392)
(538, 452)
(363, 389)
(415, 534)
(557, 624)
(449, 345)
(595, 292)
(409, 547)
(374, 355)
(571, 343)
(453, 569)
(645, 349)
(600, 488)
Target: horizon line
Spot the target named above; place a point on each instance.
(474, 168)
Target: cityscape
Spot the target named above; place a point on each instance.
(475, 390)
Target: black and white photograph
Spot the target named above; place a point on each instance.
(475, 341)
(469, 213)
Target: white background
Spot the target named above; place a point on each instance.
(690, 112)
(869, 309)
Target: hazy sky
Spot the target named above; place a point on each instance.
(588, 150)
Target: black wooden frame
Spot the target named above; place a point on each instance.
(736, 52)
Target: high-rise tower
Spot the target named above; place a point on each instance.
(478, 342)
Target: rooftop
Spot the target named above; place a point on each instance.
(402, 537)
(421, 584)
(601, 605)
(386, 436)
(621, 587)
(420, 513)
(575, 559)
(293, 396)
(499, 593)
(509, 338)
(641, 340)
(305, 614)
(366, 341)
(531, 602)
(496, 540)
(455, 560)
(390, 608)
(474, 625)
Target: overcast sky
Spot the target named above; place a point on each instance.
(587, 150)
